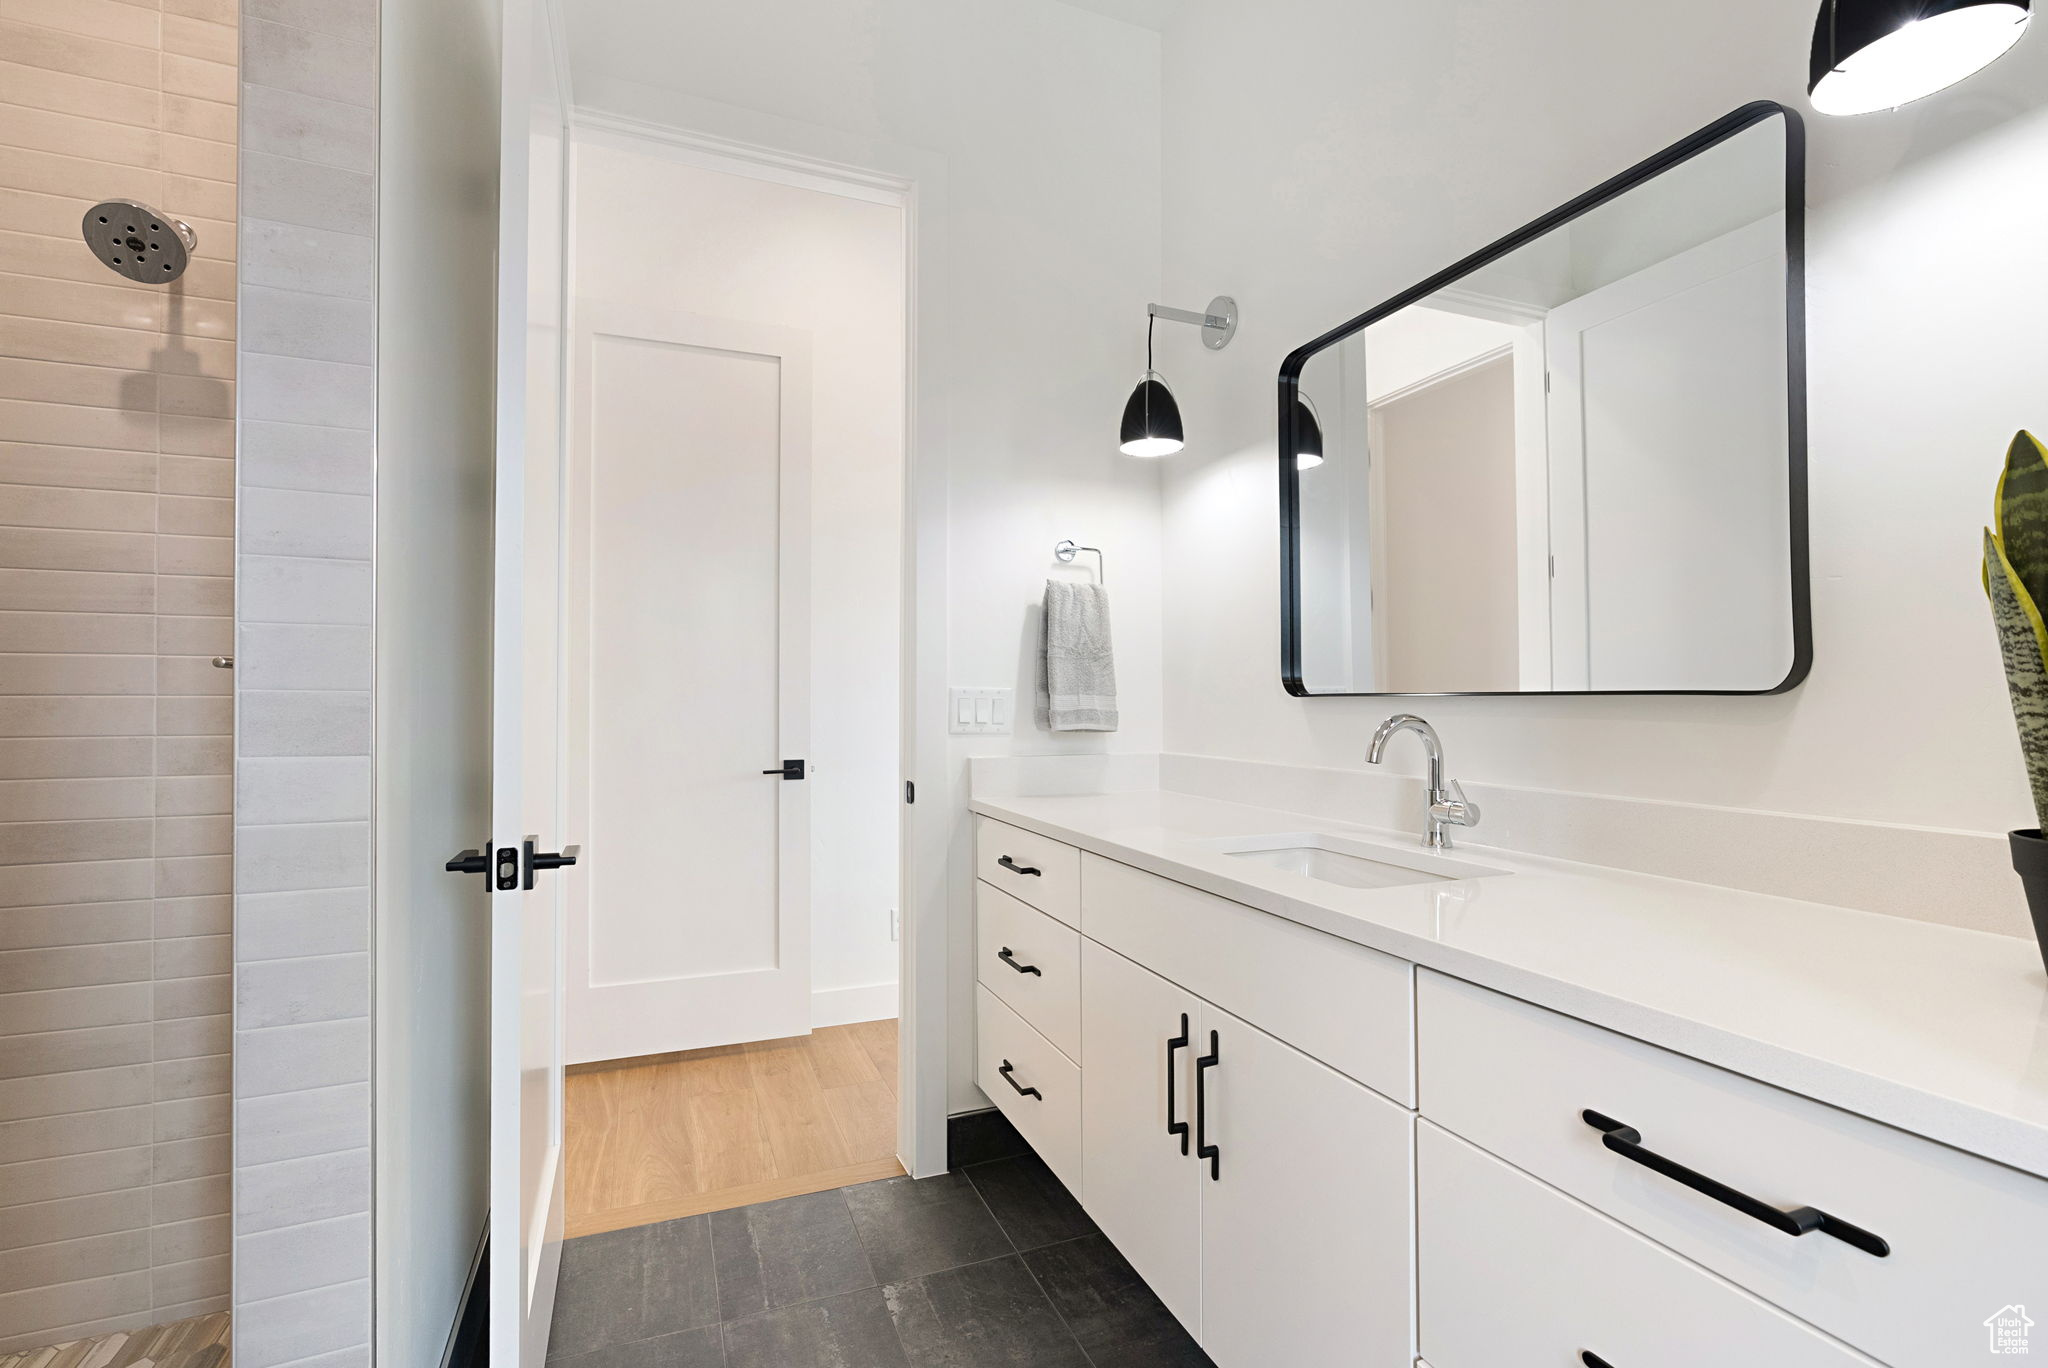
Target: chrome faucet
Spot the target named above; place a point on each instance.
(1448, 805)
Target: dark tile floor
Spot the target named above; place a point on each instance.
(993, 1265)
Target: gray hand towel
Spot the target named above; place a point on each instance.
(1076, 670)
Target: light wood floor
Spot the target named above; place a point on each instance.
(201, 1342)
(666, 1136)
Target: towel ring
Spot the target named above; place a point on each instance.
(1067, 550)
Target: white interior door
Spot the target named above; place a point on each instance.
(526, 1179)
(690, 493)
(1670, 503)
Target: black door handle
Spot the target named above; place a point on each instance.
(498, 865)
(541, 859)
(1203, 1149)
(1022, 1091)
(1178, 1042)
(470, 862)
(1593, 1360)
(788, 769)
(1015, 868)
(1627, 1141)
(1006, 957)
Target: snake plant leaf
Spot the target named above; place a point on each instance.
(2023, 514)
(2023, 638)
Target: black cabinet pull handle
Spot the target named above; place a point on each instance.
(1179, 1042)
(1006, 957)
(1015, 868)
(1593, 1360)
(1627, 1141)
(1203, 1149)
(1022, 1091)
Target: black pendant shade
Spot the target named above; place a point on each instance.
(1308, 436)
(1879, 54)
(1151, 420)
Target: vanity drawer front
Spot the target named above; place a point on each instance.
(1350, 1007)
(1041, 978)
(1515, 1273)
(1051, 1121)
(1964, 1234)
(1041, 871)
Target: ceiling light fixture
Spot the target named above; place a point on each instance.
(1879, 54)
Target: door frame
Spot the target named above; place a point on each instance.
(741, 142)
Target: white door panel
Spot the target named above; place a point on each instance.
(690, 559)
(1669, 501)
(526, 1179)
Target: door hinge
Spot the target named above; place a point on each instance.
(895, 924)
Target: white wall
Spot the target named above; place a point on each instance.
(1044, 122)
(1360, 145)
(437, 200)
(743, 249)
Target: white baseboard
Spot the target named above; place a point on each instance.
(843, 1006)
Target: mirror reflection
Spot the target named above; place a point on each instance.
(1571, 468)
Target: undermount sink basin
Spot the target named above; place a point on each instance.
(1347, 863)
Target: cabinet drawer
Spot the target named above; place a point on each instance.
(1515, 1273)
(1963, 1234)
(1040, 978)
(1039, 870)
(1051, 1121)
(1348, 1006)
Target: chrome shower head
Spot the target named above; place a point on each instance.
(137, 241)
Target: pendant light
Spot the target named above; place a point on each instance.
(1879, 54)
(1152, 426)
(1151, 417)
(1308, 435)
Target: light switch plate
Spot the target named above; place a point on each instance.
(980, 712)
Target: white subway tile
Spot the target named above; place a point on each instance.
(290, 992)
(292, 522)
(322, 1054)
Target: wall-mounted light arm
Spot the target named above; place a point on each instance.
(1218, 325)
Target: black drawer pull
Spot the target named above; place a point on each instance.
(1593, 1360)
(1179, 1042)
(1022, 1091)
(1627, 1141)
(1203, 1149)
(1007, 957)
(1015, 868)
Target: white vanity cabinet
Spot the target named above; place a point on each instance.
(1262, 1195)
(1306, 1207)
(1317, 1153)
(1139, 1178)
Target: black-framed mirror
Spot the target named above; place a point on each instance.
(1574, 462)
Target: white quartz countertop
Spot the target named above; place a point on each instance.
(1938, 1031)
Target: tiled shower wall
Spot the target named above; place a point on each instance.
(116, 552)
(303, 679)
